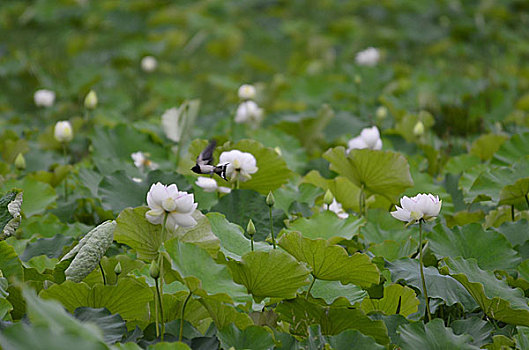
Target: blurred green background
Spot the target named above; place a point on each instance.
(465, 62)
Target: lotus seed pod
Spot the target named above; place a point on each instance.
(250, 228)
(270, 200)
(20, 162)
(154, 270)
(328, 197)
(89, 251)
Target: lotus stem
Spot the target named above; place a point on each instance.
(66, 177)
(423, 281)
(272, 228)
(182, 316)
(161, 309)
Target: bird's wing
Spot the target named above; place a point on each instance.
(206, 156)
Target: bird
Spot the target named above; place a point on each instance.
(204, 163)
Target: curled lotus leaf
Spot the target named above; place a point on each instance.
(89, 251)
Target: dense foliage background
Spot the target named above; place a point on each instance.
(458, 68)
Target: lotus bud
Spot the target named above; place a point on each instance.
(63, 131)
(250, 229)
(381, 113)
(90, 101)
(270, 200)
(328, 197)
(154, 270)
(149, 64)
(418, 129)
(117, 269)
(20, 162)
(44, 98)
(357, 79)
(247, 92)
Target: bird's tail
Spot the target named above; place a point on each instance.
(220, 170)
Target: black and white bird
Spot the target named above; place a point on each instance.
(205, 165)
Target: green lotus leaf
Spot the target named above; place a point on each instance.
(41, 195)
(439, 286)
(252, 337)
(114, 143)
(242, 205)
(515, 231)
(495, 297)
(331, 262)
(353, 340)
(392, 250)
(458, 164)
(51, 247)
(512, 150)
(491, 182)
(201, 274)
(10, 264)
(381, 227)
(224, 314)
(129, 297)
(233, 243)
(434, 335)
(269, 274)
(516, 193)
(51, 328)
(328, 226)
(112, 326)
(345, 192)
(301, 313)
(490, 248)
(486, 145)
(384, 173)
(479, 330)
(333, 291)
(397, 299)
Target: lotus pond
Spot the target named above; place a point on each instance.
(264, 174)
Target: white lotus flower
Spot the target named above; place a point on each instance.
(421, 207)
(63, 131)
(337, 209)
(249, 112)
(241, 165)
(44, 98)
(140, 161)
(167, 200)
(210, 185)
(90, 101)
(247, 92)
(369, 138)
(368, 57)
(149, 64)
